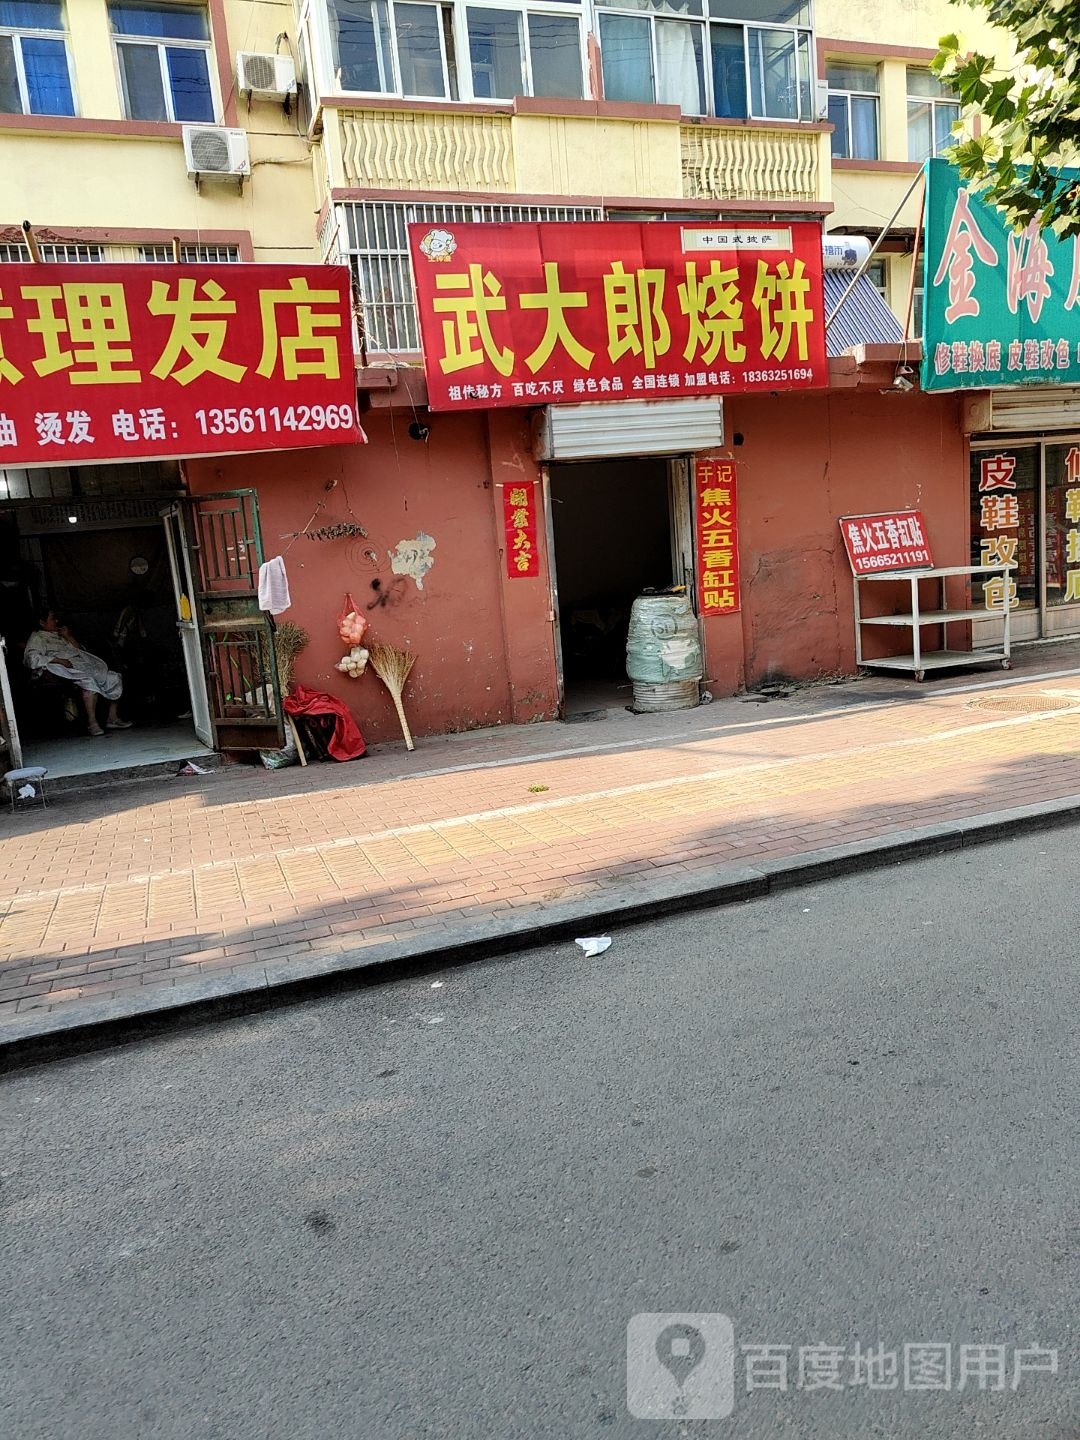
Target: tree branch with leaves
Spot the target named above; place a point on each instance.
(1029, 116)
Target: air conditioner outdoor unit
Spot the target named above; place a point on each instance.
(212, 151)
(265, 77)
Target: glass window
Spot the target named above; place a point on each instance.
(728, 70)
(409, 48)
(35, 74)
(360, 35)
(420, 53)
(655, 59)
(853, 111)
(163, 54)
(680, 66)
(774, 81)
(763, 12)
(497, 53)
(555, 55)
(626, 51)
(1004, 514)
(933, 109)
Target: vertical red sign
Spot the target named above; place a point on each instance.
(519, 513)
(716, 522)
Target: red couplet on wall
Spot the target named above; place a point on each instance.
(895, 540)
(717, 523)
(550, 313)
(126, 362)
(519, 514)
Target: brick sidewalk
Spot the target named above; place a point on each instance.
(150, 885)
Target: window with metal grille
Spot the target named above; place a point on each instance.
(192, 254)
(376, 239)
(18, 254)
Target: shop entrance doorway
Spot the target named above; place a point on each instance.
(163, 588)
(618, 527)
(1025, 510)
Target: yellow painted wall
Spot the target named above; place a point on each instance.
(586, 156)
(915, 24)
(70, 180)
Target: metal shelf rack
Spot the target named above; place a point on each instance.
(919, 661)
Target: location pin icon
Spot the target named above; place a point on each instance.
(680, 1349)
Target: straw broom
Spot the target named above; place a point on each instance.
(392, 667)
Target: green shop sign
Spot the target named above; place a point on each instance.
(1000, 306)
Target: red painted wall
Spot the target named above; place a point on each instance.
(485, 642)
(465, 621)
(806, 460)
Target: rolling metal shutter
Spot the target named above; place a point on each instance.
(631, 427)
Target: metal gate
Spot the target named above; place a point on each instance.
(224, 542)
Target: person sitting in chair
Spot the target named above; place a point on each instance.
(52, 648)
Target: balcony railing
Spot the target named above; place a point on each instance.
(427, 150)
(464, 150)
(750, 163)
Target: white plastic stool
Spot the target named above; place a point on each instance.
(32, 776)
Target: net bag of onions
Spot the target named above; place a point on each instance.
(351, 624)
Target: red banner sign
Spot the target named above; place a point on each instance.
(893, 541)
(545, 314)
(716, 519)
(519, 514)
(124, 362)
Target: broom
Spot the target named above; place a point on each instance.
(289, 640)
(392, 667)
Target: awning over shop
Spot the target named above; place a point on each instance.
(863, 319)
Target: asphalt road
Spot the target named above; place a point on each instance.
(845, 1116)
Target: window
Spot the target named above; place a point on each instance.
(932, 110)
(17, 253)
(163, 56)
(879, 278)
(457, 51)
(192, 254)
(734, 58)
(374, 236)
(35, 74)
(853, 110)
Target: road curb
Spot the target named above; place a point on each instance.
(98, 1024)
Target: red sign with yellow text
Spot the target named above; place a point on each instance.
(519, 517)
(527, 314)
(125, 362)
(717, 524)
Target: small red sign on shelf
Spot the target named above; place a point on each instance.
(895, 540)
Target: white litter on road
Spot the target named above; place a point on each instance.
(594, 945)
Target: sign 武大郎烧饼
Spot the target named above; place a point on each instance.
(537, 314)
(129, 362)
(895, 540)
(1001, 306)
(717, 525)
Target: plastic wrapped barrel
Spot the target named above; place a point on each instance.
(663, 653)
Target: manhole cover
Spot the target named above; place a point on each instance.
(1024, 704)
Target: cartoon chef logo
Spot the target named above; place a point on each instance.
(438, 245)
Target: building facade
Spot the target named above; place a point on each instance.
(446, 113)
